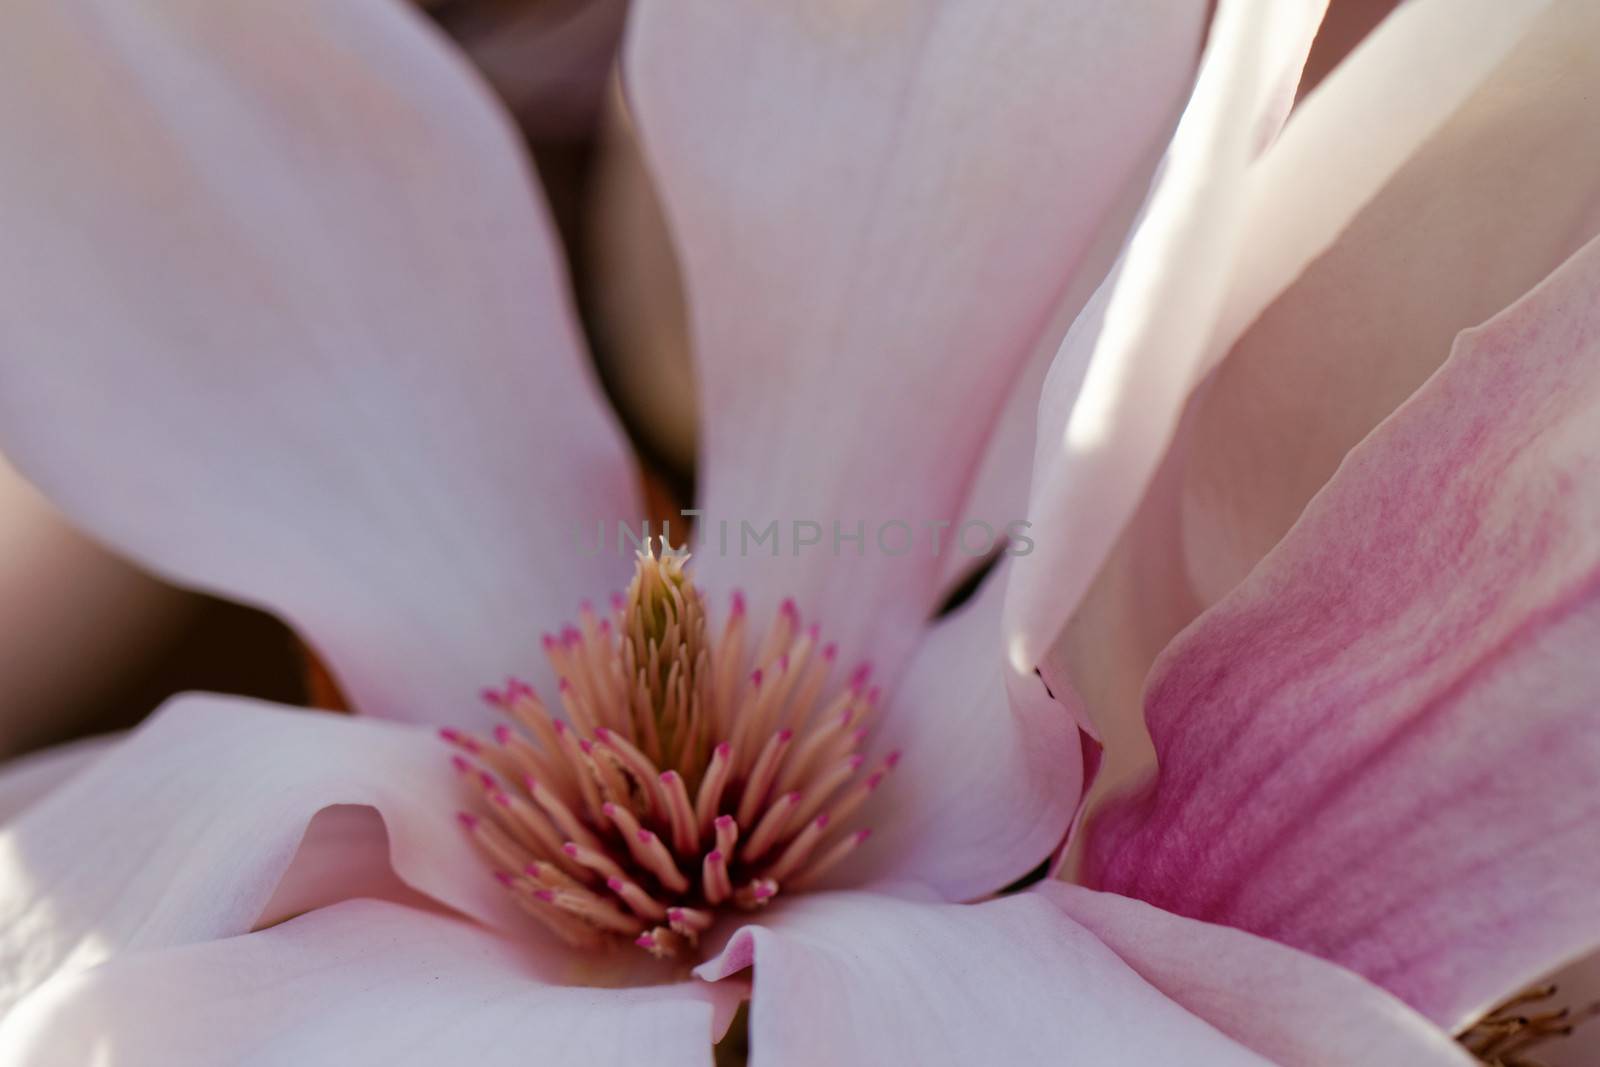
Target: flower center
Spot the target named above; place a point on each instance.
(684, 775)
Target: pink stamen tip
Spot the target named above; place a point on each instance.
(755, 676)
(487, 779)
(788, 608)
(645, 836)
(822, 821)
(764, 891)
(874, 780)
(467, 820)
(586, 747)
(645, 941)
(505, 878)
(502, 734)
(813, 632)
(892, 758)
(873, 694)
(724, 749)
(614, 884)
(565, 686)
(618, 602)
(546, 895)
(714, 856)
(586, 607)
(605, 627)
(500, 799)
(856, 761)
(570, 849)
(531, 783)
(571, 637)
(723, 822)
(862, 835)
(858, 679)
(609, 809)
(516, 687)
(461, 764)
(560, 726)
(674, 915)
(450, 734)
(783, 662)
(548, 641)
(738, 602)
(602, 734)
(785, 734)
(667, 776)
(491, 696)
(830, 652)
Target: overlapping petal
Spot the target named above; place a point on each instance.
(1383, 747)
(283, 317)
(359, 982)
(863, 978)
(1491, 202)
(868, 275)
(988, 777)
(1111, 399)
(1148, 544)
(184, 832)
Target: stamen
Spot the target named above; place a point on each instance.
(643, 904)
(771, 827)
(685, 775)
(716, 779)
(829, 860)
(1506, 1033)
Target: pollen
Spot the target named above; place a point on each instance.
(676, 775)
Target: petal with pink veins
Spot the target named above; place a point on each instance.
(987, 780)
(186, 832)
(1498, 197)
(866, 978)
(1383, 747)
(283, 318)
(1129, 540)
(878, 207)
(359, 982)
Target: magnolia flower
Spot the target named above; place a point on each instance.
(307, 345)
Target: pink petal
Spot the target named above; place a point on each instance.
(283, 318)
(344, 854)
(1496, 199)
(1382, 748)
(1340, 146)
(1290, 1007)
(1113, 396)
(360, 982)
(865, 978)
(186, 830)
(987, 781)
(877, 210)
(26, 779)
